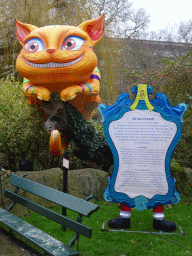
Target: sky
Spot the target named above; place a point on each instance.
(165, 14)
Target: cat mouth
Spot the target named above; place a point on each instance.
(53, 64)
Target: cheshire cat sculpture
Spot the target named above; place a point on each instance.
(59, 65)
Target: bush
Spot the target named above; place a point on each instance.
(181, 184)
(21, 126)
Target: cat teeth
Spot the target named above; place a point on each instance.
(53, 64)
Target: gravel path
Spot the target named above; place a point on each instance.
(11, 247)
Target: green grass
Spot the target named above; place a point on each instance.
(119, 243)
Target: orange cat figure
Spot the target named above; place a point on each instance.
(61, 59)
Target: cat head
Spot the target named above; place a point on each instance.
(58, 53)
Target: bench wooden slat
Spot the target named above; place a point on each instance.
(70, 202)
(63, 220)
(49, 244)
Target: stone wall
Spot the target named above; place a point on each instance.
(84, 182)
(81, 183)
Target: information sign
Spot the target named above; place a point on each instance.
(142, 135)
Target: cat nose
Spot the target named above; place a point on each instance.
(50, 50)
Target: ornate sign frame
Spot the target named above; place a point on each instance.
(121, 110)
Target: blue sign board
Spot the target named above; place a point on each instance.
(142, 135)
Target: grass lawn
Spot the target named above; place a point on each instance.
(121, 243)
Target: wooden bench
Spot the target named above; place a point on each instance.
(47, 243)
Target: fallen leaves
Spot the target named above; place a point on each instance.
(186, 203)
(135, 242)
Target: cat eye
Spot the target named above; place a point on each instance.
(34, 45)
(73, 43)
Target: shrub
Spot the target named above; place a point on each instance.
(20, 125)
(181, 184)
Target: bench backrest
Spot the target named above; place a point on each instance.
(70, 202)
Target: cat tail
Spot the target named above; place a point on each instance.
(57, 144)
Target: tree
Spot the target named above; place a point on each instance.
(185, 32)
(121, 20)
(173, 79)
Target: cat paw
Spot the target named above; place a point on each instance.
(70, 92)
(42, 93)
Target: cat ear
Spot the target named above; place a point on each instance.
(23, 30)
(94, 28)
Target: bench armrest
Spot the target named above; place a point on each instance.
(89, 197)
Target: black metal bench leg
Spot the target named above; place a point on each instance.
(16, 191)
(11, 233)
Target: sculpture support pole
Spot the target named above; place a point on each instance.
(65, 167)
